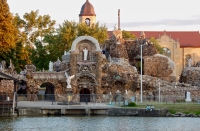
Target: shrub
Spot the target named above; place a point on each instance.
(132, 104)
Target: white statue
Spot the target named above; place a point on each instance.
(188, 97)
(85, 51)
(189, 61)
(65, 53)
(50, 66)
(68, 80)
(109, 58)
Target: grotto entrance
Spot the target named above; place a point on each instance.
(47, 90)
(84, 95)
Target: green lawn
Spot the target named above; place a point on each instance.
(186, 108)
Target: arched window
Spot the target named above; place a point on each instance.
(87, 21)
(167, 52)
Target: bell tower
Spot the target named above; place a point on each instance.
(87, 14)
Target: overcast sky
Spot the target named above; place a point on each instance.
(136, 15)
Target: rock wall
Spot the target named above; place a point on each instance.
(128, 49)
(160, 66)
(7, 86)
(191, 75)
(117, 76)
(167, 89)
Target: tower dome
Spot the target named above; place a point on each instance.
(87, 14)
(87, 9)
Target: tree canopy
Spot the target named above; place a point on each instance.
(128, 35)
(158, 47)
(8, 32)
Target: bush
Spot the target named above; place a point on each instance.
(132, 104)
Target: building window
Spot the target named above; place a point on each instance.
(87, 21)
(167, 52)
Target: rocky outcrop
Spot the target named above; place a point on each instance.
(191, 75)
(117, 74)
(133, 48)
(160, 66)
(115, 48)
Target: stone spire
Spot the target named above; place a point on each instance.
(142, 35)
(119, 19)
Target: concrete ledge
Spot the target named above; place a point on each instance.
(92, 111)
(137, 112)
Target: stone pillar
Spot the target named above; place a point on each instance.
(98, 71)
(73, 66)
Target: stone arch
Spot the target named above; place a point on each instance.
(87, 75)
(86, 81)
(40, 82)
(49, 91)
(81, 38)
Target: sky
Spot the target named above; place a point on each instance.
(136, 15)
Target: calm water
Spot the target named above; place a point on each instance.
(99, 123)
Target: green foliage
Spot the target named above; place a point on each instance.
(158, 47)
(31, 32)
(132, 104)
(172, 111)
(96, 31)
(40, 56)
(128, 35)
(37, 26)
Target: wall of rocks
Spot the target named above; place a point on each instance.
(168, 89)
(7, 86)
(191, 75)
(160, 66)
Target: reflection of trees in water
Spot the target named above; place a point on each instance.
(167, 52)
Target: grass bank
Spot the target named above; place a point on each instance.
(186, 108)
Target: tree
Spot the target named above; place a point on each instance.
(8, 32)
(40, 56)
(96, 31)
(128, 35)
(37, 26)
(22, 52)
(31, 32)
(158, 47)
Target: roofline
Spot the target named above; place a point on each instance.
(189, 46)
(9, 77)
(87, 14)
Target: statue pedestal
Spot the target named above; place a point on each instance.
(69, 95)
(69, 91)
(69, 87)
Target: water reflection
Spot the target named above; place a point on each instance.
(99, 123)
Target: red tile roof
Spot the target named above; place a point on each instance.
(185, 38)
